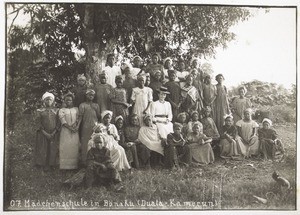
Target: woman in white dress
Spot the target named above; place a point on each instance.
(69, 137)
(162, 113)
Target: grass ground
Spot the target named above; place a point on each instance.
(222, 185)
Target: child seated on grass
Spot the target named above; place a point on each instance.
(271, 147)
(100, 168)
(195, 118)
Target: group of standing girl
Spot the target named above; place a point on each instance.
(150, 115)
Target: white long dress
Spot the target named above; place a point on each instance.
(141, 97)
(69, 141)
(112, 72)
(162, 115)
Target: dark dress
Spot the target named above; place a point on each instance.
(100, 167)
(120, 95)
(129, 84)
(176, 150)
(155, 85)
(102, 96)
(79, 93)
(271, 147)
(131, 134)
(175, 96)
(46, 150)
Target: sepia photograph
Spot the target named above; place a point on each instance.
(114, 106)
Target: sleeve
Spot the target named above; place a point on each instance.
(170, 139)
(150, 94)
(133, 95)
(90, 158)
(115, 131)
(38, 120)
(170, 114)
(274, 135)
(122, 139)
(239, 123)
(112, 94)
(254, 124)
(61, 115)
(81, 109)
(248, 103)
(98, 111)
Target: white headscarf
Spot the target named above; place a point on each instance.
(47, 94)
(267, 120)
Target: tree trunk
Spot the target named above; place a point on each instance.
(96, 50)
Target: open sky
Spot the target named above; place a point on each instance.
(264, 49)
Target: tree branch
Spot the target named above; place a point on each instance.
(12, 23)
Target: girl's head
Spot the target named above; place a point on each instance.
(119, 121)
(228, 120)
(220, 78)
(90, 95)
(189, 79)
(110, 60)
(103, 78)
(48, 99)
(127, 72)
(207, 111)
(141, 81)
(134, 120)
(195, 62)
(181, 65)
(172, 75)
(194, 73)
(137, 61)
(242, 91)
(177, 127)
(106, 117)
(157, 74)
(168, 63)
(155, 58)
(247, 114)
(207, 79)
(98, 128)
(195, 116)
(81, 80)
(182, 117)
(119, 81)
(197, 127)
(148, 120)
(98, 141)
(68, 99)
(267, 123)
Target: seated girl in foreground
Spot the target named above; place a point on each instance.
(230, 144)
(271, 147)
(247, 132)
(199, 143)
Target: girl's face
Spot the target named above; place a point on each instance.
(228, 121)
(182, 118)
(247, 115)
(128, 73)
(242, 92)
(111, 60)
(90, 96)
(119, 83)
(69, 101)
(135, 121)
(81, 82)
(168, 64)
(189, 80)
(48, 101)
(172, 77)
(181, 66)
(141, 82)
(195, 117)
(207, 113)
(208, 79)
(137, 62)
(162, 96)
(220, 79)
(99, 143)
(107, 119)
(266, 125)
(103, 80)
(120, 123)
(195, 64)
(155, 59)
(196, 129)
(177, 130)
(147, 121)
(157, 75)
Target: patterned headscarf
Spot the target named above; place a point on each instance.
(81, 77)
(90, 91)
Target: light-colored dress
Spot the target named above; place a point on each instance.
(117, 152)
(162, 111)
(141, 97)
(112, 72)
(191, 124)
(135, 71)
(252, 143)
(221, 106)
(69, 141)
(240, 105)
(149, 137)
(201, 153)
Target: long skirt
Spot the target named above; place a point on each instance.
(252, 146)
(164, 129)
(45, 150)
(176, 154)
(233, 149)
(202, 153)
(272, 150)
(68, 149)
